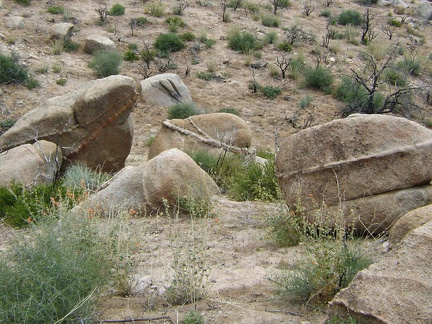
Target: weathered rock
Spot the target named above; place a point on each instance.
(384, 3)
(61, 31)
(165, 90)
(16, 22)
(96, 42)
(415, 218)
(173, 175)
(399, 9)
(30, 164)
(357, 157)
(92, 125)
(123, 192)
(203, 132)
(397, 289)
(424, 10)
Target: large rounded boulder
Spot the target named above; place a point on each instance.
(350, 162)
(92, 125)
(203, 132)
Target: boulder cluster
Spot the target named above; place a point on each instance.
(371, 172)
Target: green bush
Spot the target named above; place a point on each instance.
(285, 228)
(350, 17)
(410, 66)
(326, 13)
(56, 10)
(242, 41)
(208, 42)
(349, 91)
(319, 78)
(270, 21)
(70, 46)
(105, 63)
(284, 46)
(205, 160)
(233, 111)
(11, 71)
(167, 43)
(117, 10)
(130, 55)
(270, 91)
(24, 2)
(271, 37)
(305, 101)
(182, 111)
(187, 37)
(54, 271)
(6, 124)
(395, 22)
(395, 78)
(205, 75)
(174, 23)
(193, 317)
(141, 21)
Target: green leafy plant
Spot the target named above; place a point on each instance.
(194, 317)
(285, 228)
(70, 46)
(56, 10)
(326, 13)
(270, 91)
(410, 66)
(242, 41)
(167, 43)
(233, 111)
(105, 63)
(395, 78)
(205, 75)
(395, 22)
(174, 23)
(187, 37)
(319, 78)
(6, 124)
(117, 10)
(350, 17)
(182, 110)
(61, 81)
(270, 21)
(11, 71)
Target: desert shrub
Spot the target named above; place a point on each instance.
(253, 181)
(271, 37)
(166, 43)
(56, 10)
(11, 71)
(326, 13)
(141, 21)
(349, 91)
(252, 7)
(205, 160)
(24, 2)
(395, 77)
(70, 46)
(194, 317)
(205, 75)
(54, 271)
(270, 91)
(233, 111)
(297, 66)
(410, 66)
(182, 110)
(242, 41)
(208, 42)
(79, 177)
(61, 81)
(305, 101)
(6, 124)
(155, 9)
(285, 228)
(174, 23)
(350, 17)
(395, 22)
(130, 55)
(117, 10)
(187, 37)
(270, 21)
(319, 78)
(284, 46)
(105, 63)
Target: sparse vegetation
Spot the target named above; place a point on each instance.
(11, 71)
(174, 23)
(117, 10)
(182, 110)
(270, 21)
(242, 41)
(56, 10)
(105, 63)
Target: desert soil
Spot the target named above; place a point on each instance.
(241, 258)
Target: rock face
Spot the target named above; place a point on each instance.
(397, 289)
(62, 31)
(16, 22)
(96, 42)
(165, 90)
(408, 222)
(30, 165)
(170, 176)
(424, 10)
(203, 132)
(92, 125)
(356, 160)
(173, 175)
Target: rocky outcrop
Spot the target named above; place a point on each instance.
(30, 165)
(203, 132)
(91, 125)
(96, 42)
(162, 182)
(16, 22)
(397, 289)
(165, 90)
(61, 31)
(424, 10)
(350, 162)
(408, 222)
